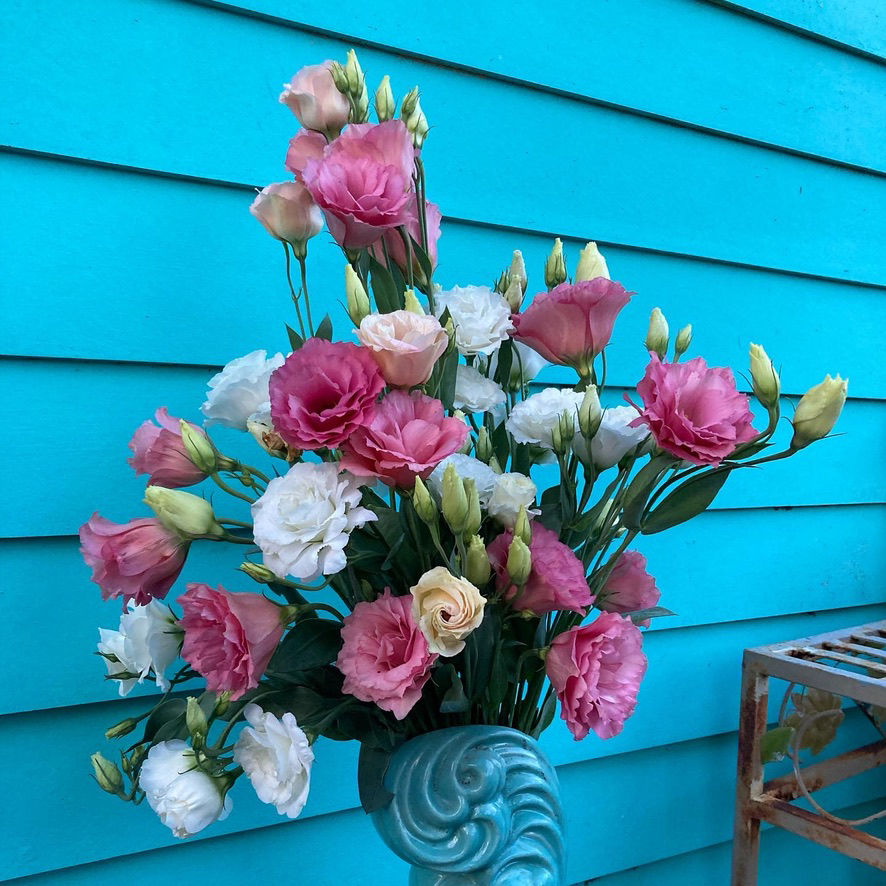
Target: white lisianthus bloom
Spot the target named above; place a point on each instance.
(527, 360)
(510, 492)
(468, 468)
(149, 638)
(534, 419)
(482, 317)
(305, 518)
(277, 757)
(474, 392)
(185, 797)
(614, 438)
(240, 390)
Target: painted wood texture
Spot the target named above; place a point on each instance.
(730, 160)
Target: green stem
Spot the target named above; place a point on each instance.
(235, 539)
(230, 490)
(304, 288)
(301, 324)
(230, 522)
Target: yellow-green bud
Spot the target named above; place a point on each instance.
(188, 515)
(385, 106)
(107, 775)
(339, 77)
(519, 561)
(409, 103)
(477, 568)
(465, 448)
(354, 73)
(517, 271)
(514, 295)
(658, 336)
(818, 411)
(589, 413)
(423, 503)
(417, 124)
(198, 448)
(412, 304)
(474, 517)
(454, 501)
(591, 264)
(555, 266)
(124, 727)
(258, 572)
(684, 339)
(563, 433)
(494, 464)
(222, 703)
(503, 282)
(522, 526)
(483, 446)
(195, 720)
(764, 378)
(358, 300)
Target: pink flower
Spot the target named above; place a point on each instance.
(138, 561)
(363, 182)
(572, 323)
(323, 393)
(229, 638)
(557, 580)
(405, 345)
(694, 412)
(312, 96)
(596, 671)
(159, 451)
(407, 437)
(306, 145)
(288, 212)
(629, 587)
(393, 242)
(384, 656)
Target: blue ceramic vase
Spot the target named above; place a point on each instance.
(474, 806)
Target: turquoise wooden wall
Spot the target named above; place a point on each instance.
(730, 160)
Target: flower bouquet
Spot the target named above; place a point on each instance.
(417, 593)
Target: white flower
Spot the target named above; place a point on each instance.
(482, 317)
(474, 392)
(510, 492)
(182, 794)
(614, 439)
(240, 390)
(468, 468)
(149, 638)
(534, 419)
(277, 757)
(531, 362)
(304, 519)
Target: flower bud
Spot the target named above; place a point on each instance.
(555, 266)
(764, 378)
(514, 295)
(477, 568)
(258, 572)
(423, 503)
(385, 106)
(519, 563)
(818, 411)
(412, 304)
(563, 433)
(483, 446)
(413, 116)
(589, 413)
(288, 213)
(474, 517)
(684, 339)
(339, 77)
(517, 271)
(591, 264)
(503, 282)
(188, 515)
(522, 526)
(409, 103)
(124, 727)
(107, 775)
(222, 703)
(358, 300)
(195, 720)
(198, 448)
(465, 448)
(454, 500)
(658, 336)
(357, 88)
(494, 464)
(264, 434)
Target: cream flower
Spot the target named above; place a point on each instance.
(482, 317)
(446, 610)
(303, 521)
(405, 345)
(240, 390)
(534, 419)
(510, 493)
(474, 392)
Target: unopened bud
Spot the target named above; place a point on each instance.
(684, 339)
(188, 515)
(195, 720)
(474, 517)
(385, 105)
(339, 77)
(764, 378)
(483, 446)
(589, 413)
(494, 464)
(258, 572)
(514, 295)
(409, 103)
(477, 568)
(454, 502)
(517, 271)
(416, 124)
(519, 563)
(423, 503)
(358, 300)
(658, 336)
(591, 264)
(354, 73)
(198, 448)
(264, 434)
(465, 448)
(222, 703)
(107, 775)
(818, 411)
(563, 433)
(522, 526)
(555, 266)
(412, 304)
(124, 727)
(503, 282)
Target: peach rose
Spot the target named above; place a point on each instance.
(446, 610)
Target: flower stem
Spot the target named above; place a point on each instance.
(304, 288)
(229, 489)
(301, 324)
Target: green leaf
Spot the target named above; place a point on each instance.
(505, 361)
(170, 713)
(291, 595)
(547, 715)
(295, 340)
(372, 766)
(423, 261)
(774, 743)
(479, 649)
(309, 644)
(640, 488)
(454, 700)
(324, 330)
(501, 445)
(826, 708)
(447, 379)
(551, 516)
(653, 612)
(387, 298)
(688, 500)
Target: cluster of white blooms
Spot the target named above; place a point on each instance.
(533, 420)
(482, 318)
(240, 390)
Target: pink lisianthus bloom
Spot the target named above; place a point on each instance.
(323, 392)
(573, 322)
(556, 581)
(407, 437)
(138, 561)
(395, 247)
(404, 345)
(363, 182)
(305, 145)
(596, 671)
(287, 212)
(229, 638)
(158, 450)
(314, 99)
(629, 587)
(694, 412)
(384, 657)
